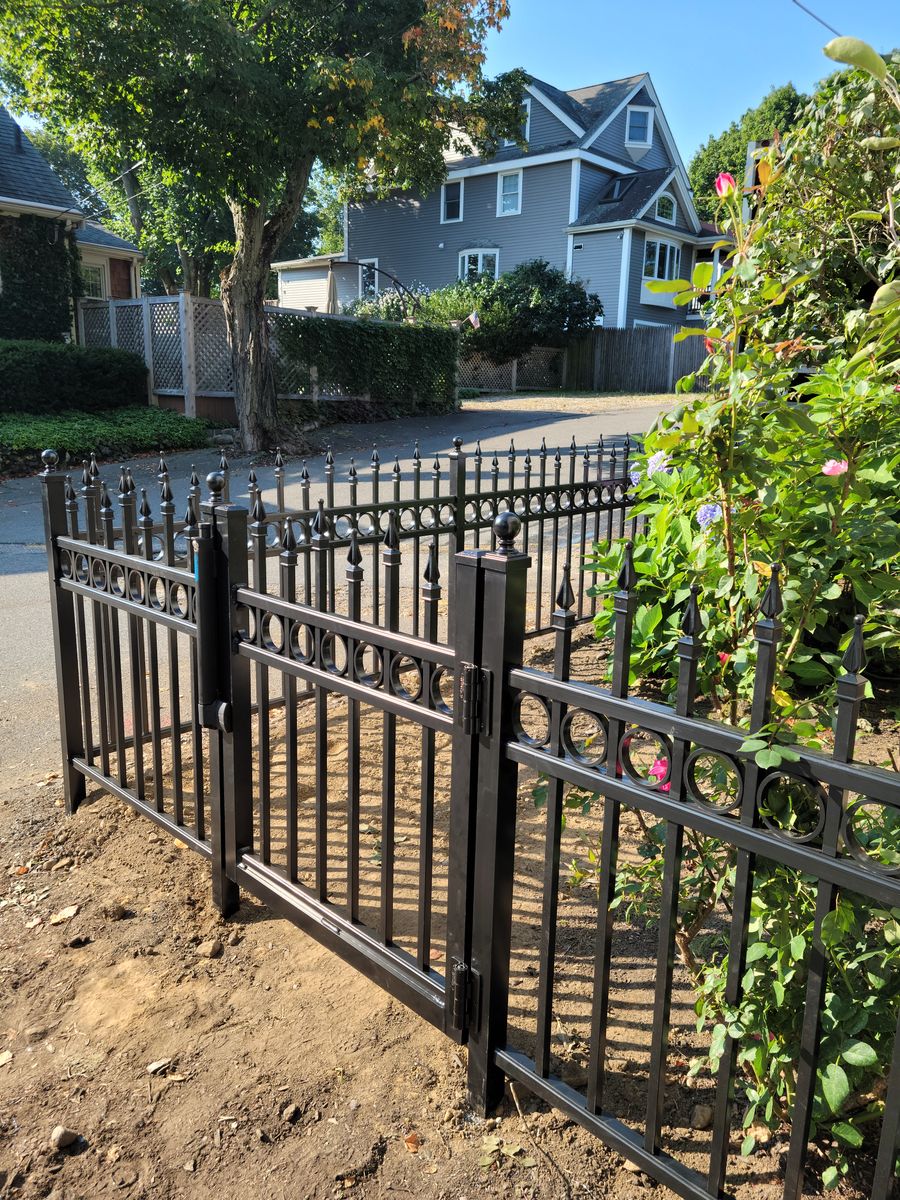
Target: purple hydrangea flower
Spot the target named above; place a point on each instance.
(658, 462)
(635, 477)
(707, 513)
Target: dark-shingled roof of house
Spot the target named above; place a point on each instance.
(636, 192)
(25, 176)
(92, 234)
(600, 100)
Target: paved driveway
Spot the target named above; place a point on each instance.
(28, 715)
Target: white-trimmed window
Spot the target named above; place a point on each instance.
(509, 193)
(475, 262)
(92, 281)
(639, 125)
(666, 209)
(368, 277)
(452, 201)
(662, 259)
(526, 124)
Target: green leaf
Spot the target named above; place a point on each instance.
(748, 1145)
(881, 143)
(848, 1134)
(857, 53)
(835, 1086)
(831, 1177)
(886, 296)
(701, 277)
(666, 285)
(757, 951)
(798, 947)
(859, 1054)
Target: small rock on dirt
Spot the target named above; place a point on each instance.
(211, 949)
(61, 1137)
(261, 1135)
(574, 1074)
(234, 938)
(114, 912)
(36, 1033)
(702, 1116)
(291, 1113)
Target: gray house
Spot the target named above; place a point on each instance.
(599, 190)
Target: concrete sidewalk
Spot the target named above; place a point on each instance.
(28, 714)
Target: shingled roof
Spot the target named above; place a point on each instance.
(93, 234)
(637, 191)
(25, 176)
(592, 105)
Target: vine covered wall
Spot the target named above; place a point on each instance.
(39, 277)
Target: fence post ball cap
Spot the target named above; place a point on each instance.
(49, 458)
(507, 526)
(215, 481)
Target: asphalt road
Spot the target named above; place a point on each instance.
(29, 747)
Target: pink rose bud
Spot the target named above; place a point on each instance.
(836, 466)
(725, 184)
(723, 657)
(710, 346)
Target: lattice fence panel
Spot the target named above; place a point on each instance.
(165, 338)
(129, 320)
(95, 323)
(291, 378)
(476, 371)
(212, 355)
(541, 368)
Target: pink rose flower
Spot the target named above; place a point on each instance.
(658, 771)
(723, 657)
(725, 184)
(836, 466)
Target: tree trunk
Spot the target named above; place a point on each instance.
(243, 297)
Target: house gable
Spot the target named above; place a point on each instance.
(27, 181)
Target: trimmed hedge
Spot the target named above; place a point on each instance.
(113, 434)
(399, 370)
(45, 377)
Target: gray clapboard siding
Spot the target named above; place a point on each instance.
(546, 130)
(612, 141)
(405, 233)
(594, 180)
(598, 265)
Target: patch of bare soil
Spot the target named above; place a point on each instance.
(184, 1056)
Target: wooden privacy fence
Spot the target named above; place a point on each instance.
(643, 359)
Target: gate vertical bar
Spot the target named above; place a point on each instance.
(62, 613)
(503, 635)
(458, 470)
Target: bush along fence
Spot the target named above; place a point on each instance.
(366, 368)
(222, 676)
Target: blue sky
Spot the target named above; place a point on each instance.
(709, 62)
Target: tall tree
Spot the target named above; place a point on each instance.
(239, 99)
(727, 151)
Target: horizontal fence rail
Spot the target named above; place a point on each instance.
(330, 702)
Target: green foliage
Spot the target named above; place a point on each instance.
(763, 469)
(115, 433)
(43, 377)
(399, 368)
(57, 148)
(727, 151)
(39, 273)
(532, 305)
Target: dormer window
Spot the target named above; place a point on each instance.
(526, 125)
(616, 189)
(666, 209)
(639, 126)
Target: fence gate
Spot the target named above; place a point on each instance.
(249, 723)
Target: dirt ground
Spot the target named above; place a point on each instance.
(191, 1057)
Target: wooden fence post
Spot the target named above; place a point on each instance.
(113, 336)
(188, 366)
(514, 374)
(152, 397)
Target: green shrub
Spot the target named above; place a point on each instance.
(402, 369)
(43, 377)
(112, 434)
(532, 305)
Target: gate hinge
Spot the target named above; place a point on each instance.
(216, 715)
(465, 992)
(474, 699)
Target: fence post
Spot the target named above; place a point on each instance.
(224, 688)
(458, 468)
(502, 635)
(514, 374)
(65, 645)
(148, 351)
(188, 366)
(113, 333)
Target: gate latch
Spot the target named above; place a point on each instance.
(465, 990)
(474, 699)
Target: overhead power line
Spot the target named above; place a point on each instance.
(815, 16)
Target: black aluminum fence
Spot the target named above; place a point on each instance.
(369, 783)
